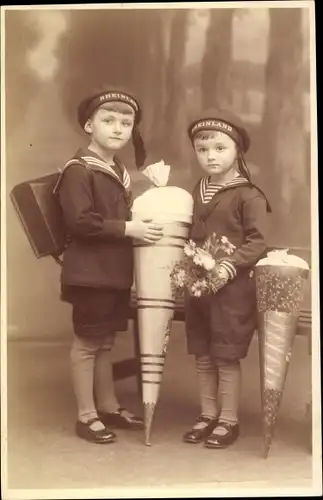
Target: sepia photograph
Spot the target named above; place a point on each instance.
(160, 315)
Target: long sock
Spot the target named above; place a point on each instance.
(229, 391)
(208, 386)
(103, 383)
(83, 354)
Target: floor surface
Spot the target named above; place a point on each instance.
(44, 453)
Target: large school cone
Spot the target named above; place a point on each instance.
(279, 296)
(172, 207)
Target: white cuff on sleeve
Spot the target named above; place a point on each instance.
(228, 266)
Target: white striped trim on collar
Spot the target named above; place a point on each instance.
(96, 162)
(206, 184)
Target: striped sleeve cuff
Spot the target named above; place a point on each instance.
(229, 266)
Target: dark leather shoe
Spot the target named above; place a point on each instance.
(223, 441)
(121, 420)
(199, 435)
(84, 431)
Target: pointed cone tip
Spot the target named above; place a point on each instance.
(271, 403)
(149, 414)
(267, 445)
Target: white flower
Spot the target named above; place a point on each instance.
(190, 248)
(204, 259)
(180, 282)
(198, 287)
(208, 263)
(231, 248)
(179, 278)
(228, 247)
(197, 260)
(181, 274)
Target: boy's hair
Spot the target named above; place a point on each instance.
(205, 134)
(118, 107)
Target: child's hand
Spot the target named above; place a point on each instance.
(150, 232)
(223, 273)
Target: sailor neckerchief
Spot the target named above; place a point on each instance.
(209, 188)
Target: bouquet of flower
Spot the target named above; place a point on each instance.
(198, 271)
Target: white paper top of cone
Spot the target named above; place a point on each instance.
(158, 173)
(167, 202)
(282, 258)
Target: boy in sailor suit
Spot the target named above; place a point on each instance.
(220, 327)
(97, 274)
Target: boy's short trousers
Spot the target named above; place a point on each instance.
(97, 312)
(222, 325)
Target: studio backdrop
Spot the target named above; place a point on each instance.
(178, 62)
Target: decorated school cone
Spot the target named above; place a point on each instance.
(280, 280)
(172, 207)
